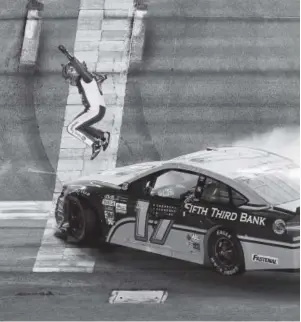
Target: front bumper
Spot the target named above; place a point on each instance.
(60, 212)
(62, 225)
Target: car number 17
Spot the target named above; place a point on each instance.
(161, 229)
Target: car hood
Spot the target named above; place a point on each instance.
(115, 176)
(291, 206)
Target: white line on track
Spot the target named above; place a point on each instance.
(24, 216)
(35, 205)
(40, 171)
(20, 210)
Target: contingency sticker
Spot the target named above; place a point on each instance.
(194, 241)
(120, 208)
(108, 200)
(110, 217)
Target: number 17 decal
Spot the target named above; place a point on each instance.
(160, 232)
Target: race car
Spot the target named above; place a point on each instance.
(232, 208)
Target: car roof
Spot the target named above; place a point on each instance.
(234, 162)
(225, 164)
(228, 164)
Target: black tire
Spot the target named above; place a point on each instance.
(82, 222)
(225, 253)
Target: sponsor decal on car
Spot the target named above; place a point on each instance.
(82, 192)
(110, 217)
(264, 259)
(198, 210)
(108, 200)
(279, 227)
(194, 241)
(166, 210)
(217, 213)
(120, 208)
(252, 219)
(111, 197)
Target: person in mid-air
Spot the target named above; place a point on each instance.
(93, 101)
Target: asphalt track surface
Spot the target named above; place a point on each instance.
(32, 108)
(164, 121)
(194, 294)
(214, 73)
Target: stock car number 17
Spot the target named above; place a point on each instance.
(161, 229)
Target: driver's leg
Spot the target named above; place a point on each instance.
(102, 139)
(94, 117)
(75, 129)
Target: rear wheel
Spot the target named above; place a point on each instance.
(225, 253)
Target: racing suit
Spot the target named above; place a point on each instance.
(81, 126)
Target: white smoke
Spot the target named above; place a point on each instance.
(283, 141)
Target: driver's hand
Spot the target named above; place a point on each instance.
(189, 197)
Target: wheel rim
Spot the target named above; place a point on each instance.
(225, 252)
(76, 220)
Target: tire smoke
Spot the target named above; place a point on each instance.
(283, 141)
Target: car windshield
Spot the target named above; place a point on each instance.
(128, 170)
(276, 187)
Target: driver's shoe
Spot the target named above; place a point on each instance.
(105, 141)
(96, 148)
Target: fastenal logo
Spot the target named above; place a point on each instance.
(264, 259)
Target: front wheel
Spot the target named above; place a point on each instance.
(82, 222)
(225, 253)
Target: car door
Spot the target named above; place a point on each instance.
(158, 201)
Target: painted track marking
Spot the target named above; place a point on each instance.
(136, 297)
(53, 255)
(30, 210)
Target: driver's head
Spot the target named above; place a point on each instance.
(200, 186)
(70, 74)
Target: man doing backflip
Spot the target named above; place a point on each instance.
(93, 101)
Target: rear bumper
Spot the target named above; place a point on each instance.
(260, 256)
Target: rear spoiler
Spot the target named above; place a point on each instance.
(254, 207)
(294, 224)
